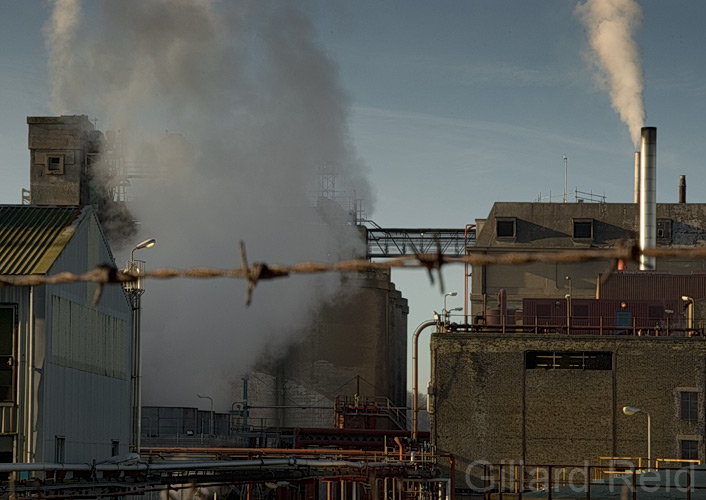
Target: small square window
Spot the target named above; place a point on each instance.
(505, 228)
(583, 229)
(54, 165)
(690, 449)
(690, 406)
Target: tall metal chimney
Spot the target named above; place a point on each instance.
(637, 177)
(648, 195)
(682, 189)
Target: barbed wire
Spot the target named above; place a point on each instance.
(432, 262)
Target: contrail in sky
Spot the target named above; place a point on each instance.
(611, 24)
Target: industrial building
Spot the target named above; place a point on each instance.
(570, 363)
(355, 353)
(66, 375)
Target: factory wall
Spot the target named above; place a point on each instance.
(357, 343)
(82, 359)
(546, 399)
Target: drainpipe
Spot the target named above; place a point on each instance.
(415, 390)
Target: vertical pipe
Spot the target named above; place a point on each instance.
(636, 194)
(682, 189)
(648, 197)
(415, 377)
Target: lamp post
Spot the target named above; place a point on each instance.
(445, 311)
(566, 162)
(210, 425)
(689, 312)
(630, 411)
(135, 290)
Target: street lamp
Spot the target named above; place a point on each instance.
(630, 411)
(134, 290)
(211, 414)
(445, 311)
(568, 278)
(455, 309)
(689, 312)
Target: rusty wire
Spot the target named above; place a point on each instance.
(433, 262)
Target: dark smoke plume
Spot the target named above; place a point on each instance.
(256, 120)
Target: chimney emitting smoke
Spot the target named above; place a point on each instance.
(648, 196)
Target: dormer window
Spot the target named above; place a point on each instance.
(583, 229)
(505, 227)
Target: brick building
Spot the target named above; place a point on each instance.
(556, 396)
(557, 399)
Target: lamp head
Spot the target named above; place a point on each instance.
(686, 298)
(451, 294)
(146, 244)
(631, 410)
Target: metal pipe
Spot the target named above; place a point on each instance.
(183, 465)
(648, 197)
(415, 389)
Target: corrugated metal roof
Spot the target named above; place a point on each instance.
(31, 237)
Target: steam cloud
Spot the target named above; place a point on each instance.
(255, 112)
(611, 24)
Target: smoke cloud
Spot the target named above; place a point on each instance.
(232, 115)
(611, 24)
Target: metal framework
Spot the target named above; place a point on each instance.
(388, 243)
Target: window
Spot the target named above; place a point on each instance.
(505, 228)
(583, 229)
(689, 406)
(60, 450)
(555, 360)
(54, 165)
(689, 449)
(8, 367)
(114, 448)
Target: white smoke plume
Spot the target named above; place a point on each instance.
(59, 36)
(611, 24)
(254, 110)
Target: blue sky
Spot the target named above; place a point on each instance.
(454, 105)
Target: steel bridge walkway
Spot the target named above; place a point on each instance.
(397, 242)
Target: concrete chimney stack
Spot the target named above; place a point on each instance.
(682, 189)
(648, 195)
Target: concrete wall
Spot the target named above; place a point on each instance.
(489, 406)
(362, 334)
(65, 138)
